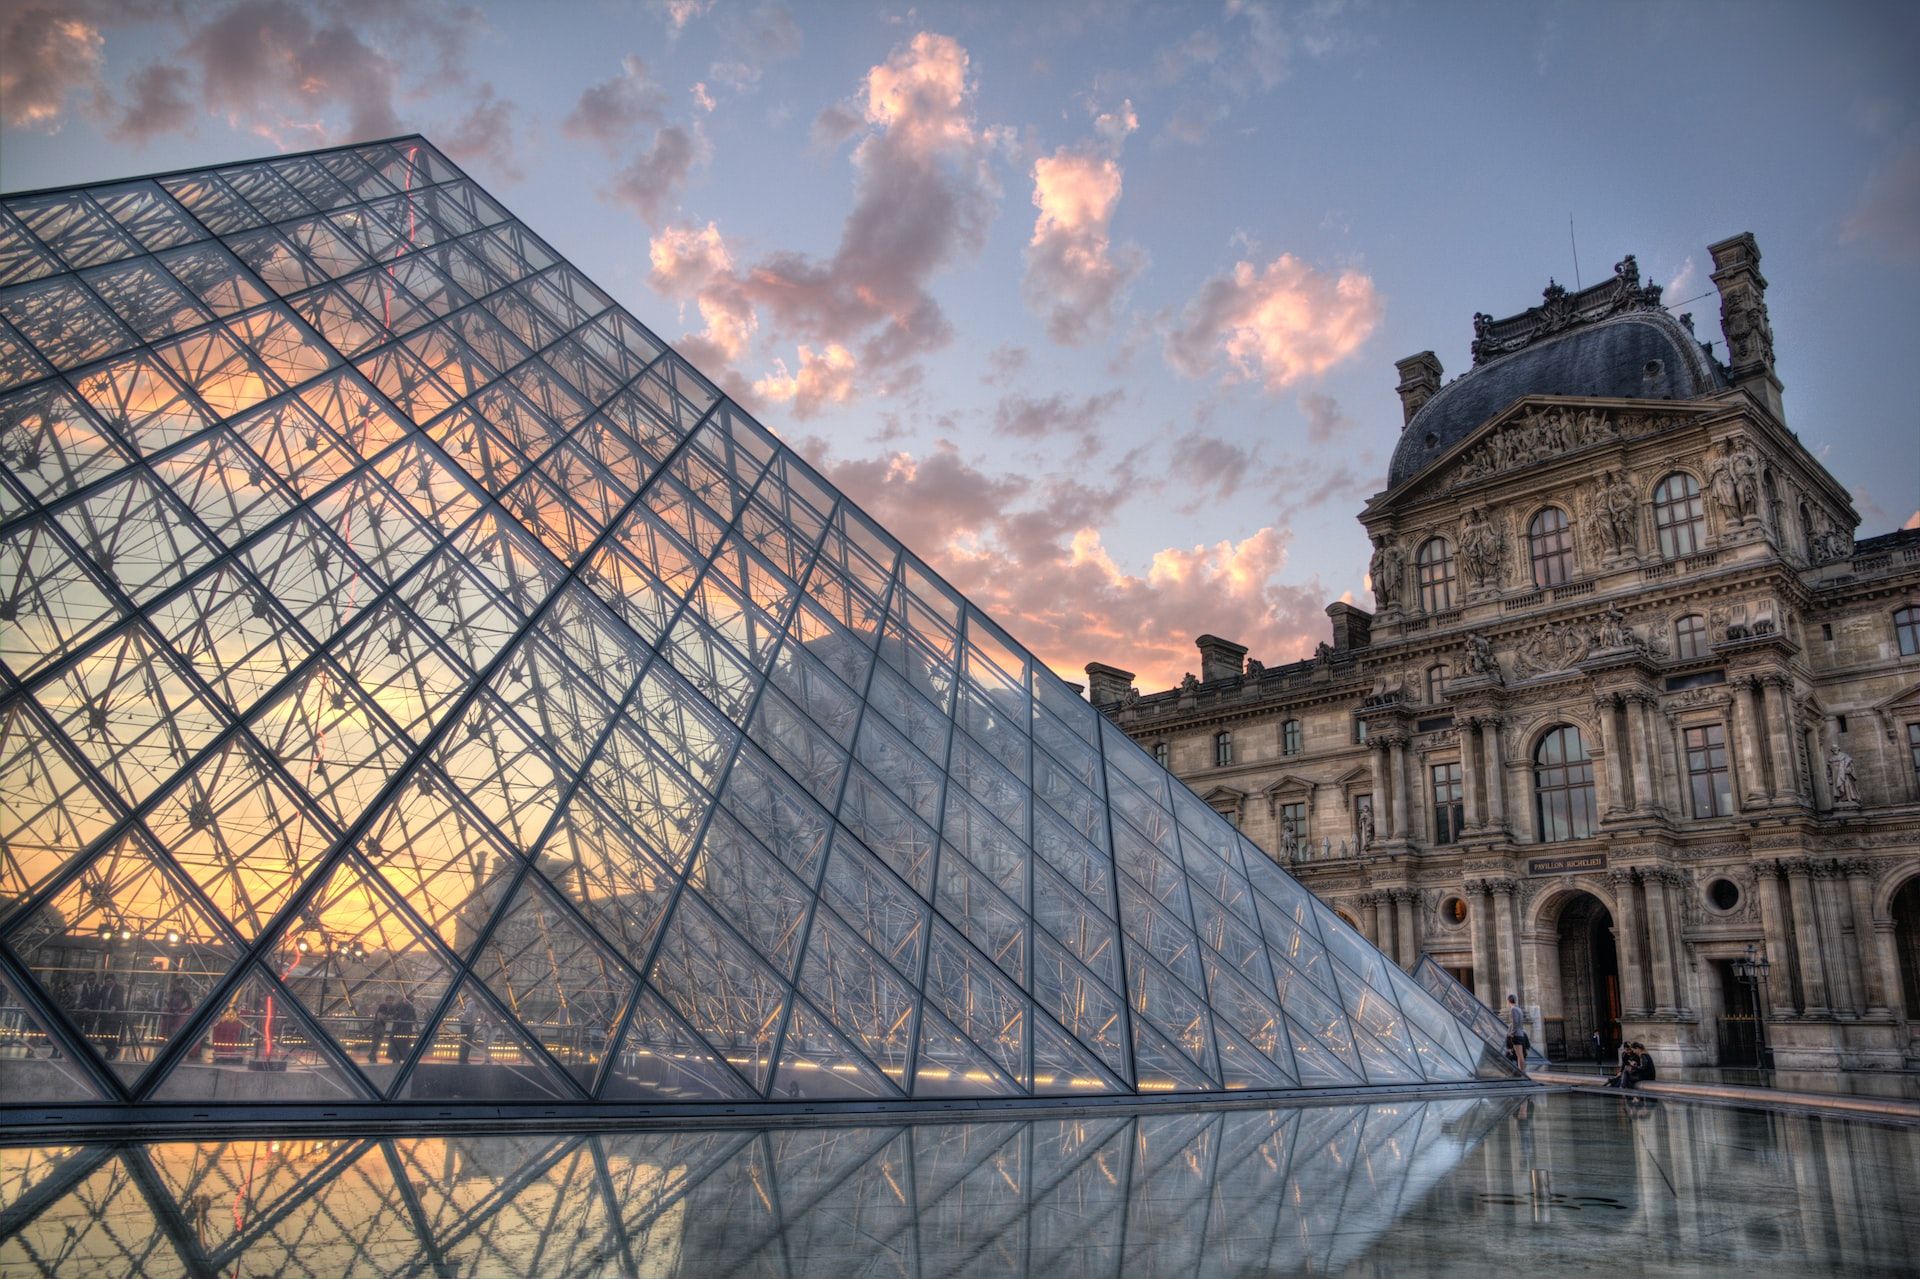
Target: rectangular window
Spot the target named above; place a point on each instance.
(1359, 730)
(1290, 736)
(1296, 814)
(1222, 749)
(1232, 815)
(1449, 808)
(1913, 746)
(1707, 771)
(1162, 754)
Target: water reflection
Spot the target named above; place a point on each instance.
(1237, 1191)
(1438, 1187)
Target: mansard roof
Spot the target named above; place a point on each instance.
(1609, 341)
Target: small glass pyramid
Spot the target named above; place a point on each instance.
(417, 682)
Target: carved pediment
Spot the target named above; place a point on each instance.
(1225, 797)
(1289, 784)
(1896, 710)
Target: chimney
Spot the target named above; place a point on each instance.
(1743, 319)
(1352, 627)
(1419, 379)
(1220, 659)
(1109, 683)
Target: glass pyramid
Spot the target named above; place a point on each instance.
(418, 683)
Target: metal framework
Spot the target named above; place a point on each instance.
(419, 685)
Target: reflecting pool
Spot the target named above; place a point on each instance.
(1456, 1185)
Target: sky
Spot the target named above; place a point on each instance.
(1094, 303)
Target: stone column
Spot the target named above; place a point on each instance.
(1616, 770)
(1873, 977)
(1483, 975)
(1503, 902)
(1640, 729)
(1806, 938)
(1401, 826)
(1370, 917)
(1780, 739)
(1378, 758)
(1829, 888)
(1631, 952)
(1666, 1001)
(1470, 771)
(1773, 922)
(1403, 900)
(1751, 774)
(1496, 774)
(1821, 733)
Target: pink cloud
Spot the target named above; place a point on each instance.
(1075, 276)
(924, 194)
(1279, 323)
(1031, 553)
(625, 114)
(824, 378)
(693, 264)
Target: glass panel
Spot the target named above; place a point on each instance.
(478, 1053)
(34, 1066)
(259, 1048)
(727, 995)
(241, 834)
(49, 808)
(817, 1064)
(126, 953)
(49, 602)
(566, 990)
(363, 969)
(446, 865)
(661, 1059)
(615, 880)
(52, 445)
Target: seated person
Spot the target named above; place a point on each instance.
(1644, 1072)
(1629, 1069)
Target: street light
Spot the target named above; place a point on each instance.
(1752, 971)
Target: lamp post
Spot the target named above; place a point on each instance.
(1752, 972)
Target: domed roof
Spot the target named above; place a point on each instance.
(1639, 354)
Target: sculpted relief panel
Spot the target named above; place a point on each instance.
(1545, 434)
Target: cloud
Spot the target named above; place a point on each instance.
(312, 73)
(161, 103)
(651, 182)
(1886, 214)
(610, 110)
(681, 12)
(834, 125)
(53, 50)
(1209, 468)
(1075, 276)
(267, 66)
(692, 263)
(824, 378)
(1056, 417)
(1279, 323)
(616, 114)
(1326, 421)
(924, 195)
(1683, 279)
(701, 98)
(1031, 553)
(486, 138)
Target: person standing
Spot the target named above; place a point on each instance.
(1599, 1049)
(1517, 1033)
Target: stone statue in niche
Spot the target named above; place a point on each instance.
(1386, 568)
(1840, 779)
(1482, 550)
(1612, 631)
(1619, 515)
(1363, 821)
(1289, 839)
(1734, 483)
(1481, 659)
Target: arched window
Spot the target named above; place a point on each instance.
(1679, 518)
(1563, 786)
(1906, 629)
(1690, 636)
(1437, 676)
(1162, 754)
(1550, 538)
(1435, 564)
(1222, 749)
(1291, 738)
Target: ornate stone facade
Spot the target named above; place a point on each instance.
(1592, 757)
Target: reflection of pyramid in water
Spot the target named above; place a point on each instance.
(421, 684)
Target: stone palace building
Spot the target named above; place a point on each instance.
(1634, 707)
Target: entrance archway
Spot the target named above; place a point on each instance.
(1589, 976)
(1905, 909)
